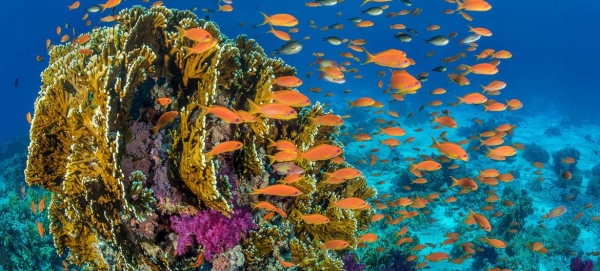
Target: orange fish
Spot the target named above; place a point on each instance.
(74, 5)
(220, 112)
(33, 207)
(200, 47)
(478, 5)
(282, 35)
(283, 145)
(328, 120)
(42, 204)
(273, 110)
(40, 229)
(288, 81)
(281, 190)
(164, 101)
(351, 203)
(481, 68)
(279, 20)
(164, 119)
(335, 245)
(315, 219)
(479, 219)
(404, 82)
(472, 98)
(391, 58)
(429, 165)
(368, 238)
(225, 8)
(288, 97)
(109, 4)
(465, 183)
(437, 256)
(196, 34)
(445, 121)
(343, 173)
(264, 205)
(226, 146)
(284, 263)
(450, 149)
(321, 152)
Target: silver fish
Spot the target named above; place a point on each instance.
(403, 37)
(438, 40)
(290, 48)
(94, 8)
(374, 11)
(333, 40)
(470, 39)
(355, 20)
(327, 2)
(407, 2)
(439, 69)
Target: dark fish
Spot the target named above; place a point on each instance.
(374, 11)
(355, 20)
(438, 40)
(327, 2)
(407, 2)
(422, 79)
(207, 18)
(17, 82)
(439, 69)
(94, 8)
(412, 31)
(333, 40)
(403, 37)
(290, 48)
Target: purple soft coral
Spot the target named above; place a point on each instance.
(578, 265)
(351, 263)
(211, 229)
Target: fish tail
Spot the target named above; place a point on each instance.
(208, 155)
(364, 2)
(460, 100)
(254, 108)
(412, 167)
(381, 131)
(272, 159)
(483, 87)
(435, 119)
(266, 19)
(350, 104)
(271, 143)
(435, 142)
(482, 143)
(267, 96)
(486, 108)
(255, 191)
(180, 32)
(103, 6)
(459, 5)
(155, 129)
(369, 57)
(454, 182)
(326, 176)
(204, 110)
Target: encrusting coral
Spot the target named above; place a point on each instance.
(113, 182)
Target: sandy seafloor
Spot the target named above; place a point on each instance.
(531, 130)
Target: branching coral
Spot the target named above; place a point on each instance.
(91, 148)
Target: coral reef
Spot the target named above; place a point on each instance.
(579, 265)
(535, 153)
(351, 263)
(112, 181)
(553, 131)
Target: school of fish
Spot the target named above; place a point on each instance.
(397, 80)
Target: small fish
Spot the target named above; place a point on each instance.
(290, 48)
(438, 40)
(93, 9)
(403, 37)
(333, 40)
(374, 11)
(439, 69)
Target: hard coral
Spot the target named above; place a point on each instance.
(212, 230)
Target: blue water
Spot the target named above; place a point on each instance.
(553, 71)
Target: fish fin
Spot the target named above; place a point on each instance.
(435, 142)
(460, 100)
(180, 32)
(253, 108)
(369, 57)
(266, 19)
(454, 182)
(272, 159)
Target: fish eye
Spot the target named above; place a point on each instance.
(237, 119)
